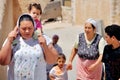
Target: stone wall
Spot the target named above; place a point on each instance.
(7, 22)
(66, 14)
(7, 26)
(115, 11)
(97, 9)
(24, 4)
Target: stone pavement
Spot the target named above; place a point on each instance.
(67, 33)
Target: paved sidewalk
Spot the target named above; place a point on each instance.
(68, 34)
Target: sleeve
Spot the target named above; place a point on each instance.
(52, 72)
(105, 56)
(101, 45)
(76, 42)
(4, 42)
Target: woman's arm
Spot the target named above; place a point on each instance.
(6, 50)
(101, 46)
(49, 51)
(5, 53)
(73, 53)
(98, 62)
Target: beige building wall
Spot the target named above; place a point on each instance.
(115, 11)
(7, 22)
(97, 9)
(7, 25)
(24, 4)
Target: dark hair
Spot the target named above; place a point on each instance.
(93, 26)
(55, 36)
(113, 30)
(37, 6)
(61, 56)
(25, 17)
(51, 0)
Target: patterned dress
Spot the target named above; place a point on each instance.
(28, 61)
(87, 56)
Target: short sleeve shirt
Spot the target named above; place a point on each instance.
(59, 76)
(111, 58)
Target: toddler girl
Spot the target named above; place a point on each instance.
(35, 11)
(59, 72)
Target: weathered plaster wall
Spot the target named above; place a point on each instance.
(7, 25)
(84, 9)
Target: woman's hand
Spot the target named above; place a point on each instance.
(69, 66)
(91, 67)
(41, 40)
(13, 34)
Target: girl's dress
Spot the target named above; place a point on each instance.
(59, 76)
(38, 24)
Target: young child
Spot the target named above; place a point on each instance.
(35, 11)
(59, 72)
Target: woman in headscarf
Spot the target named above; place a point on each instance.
(26, 56)
(89, 47)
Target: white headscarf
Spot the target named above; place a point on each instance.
(18, 21)
(92, 21)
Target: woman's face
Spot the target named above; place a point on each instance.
(35, 13)
(26, 29)
(89, 30)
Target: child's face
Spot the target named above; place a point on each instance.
(35, 13)
(61, 62)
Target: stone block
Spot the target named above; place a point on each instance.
(52, 10)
